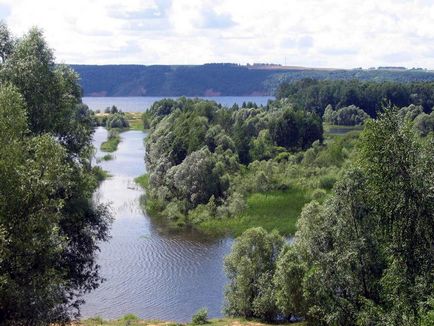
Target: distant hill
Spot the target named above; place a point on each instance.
(222, 79)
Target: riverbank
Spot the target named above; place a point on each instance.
(274, 210)
(135, 122)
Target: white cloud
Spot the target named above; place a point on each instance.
(330, 33)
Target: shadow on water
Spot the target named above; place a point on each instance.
(150, 271)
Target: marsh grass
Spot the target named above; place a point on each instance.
(135, 120)
(112, 142)
(273, 210)
(142, 180)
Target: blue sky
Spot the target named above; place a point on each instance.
(314, 33)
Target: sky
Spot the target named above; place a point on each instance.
(310, 33)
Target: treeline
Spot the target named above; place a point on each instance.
(49, 226)
(195, 149)
(161, 80)
(370, 96)
(216, 79)
(364, 256)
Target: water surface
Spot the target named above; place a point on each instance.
(140, 104)
(149, 271)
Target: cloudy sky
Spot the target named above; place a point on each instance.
(314, 33)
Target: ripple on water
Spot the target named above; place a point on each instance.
(152, 274)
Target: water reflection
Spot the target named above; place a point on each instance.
(150, 272)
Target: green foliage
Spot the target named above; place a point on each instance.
(97, 320)
(200, 317)
(130, 317)
(361, 257)
(250, 267)
(273, 210)
(107, 157)
(143, 180)
(295, 129)
(346, 116)
(99, 173)
(49, 227)
(112, 142)
(424, 123)
(370, 96)
(197, 150)
(6, 42)
(117, 120)
(290, 271)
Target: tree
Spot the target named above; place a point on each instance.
(49, 226)
(250, 268)
(6, 42)
(346, 116)
(288, 278)
(51, 93)
(261, 147)
(370, 239)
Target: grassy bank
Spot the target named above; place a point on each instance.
(112, 142)
(142, 180)
(274, 210)
(135, 120)
(100, 174)
(136, 322)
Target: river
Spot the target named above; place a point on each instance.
(149, 271)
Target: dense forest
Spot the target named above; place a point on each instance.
(205, 160)
(216, 79)
(371, 97)
(364, 256)
(367, 226)
(50, 228)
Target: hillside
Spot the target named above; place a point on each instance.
(216, 79)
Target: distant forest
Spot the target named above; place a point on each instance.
(216, 79)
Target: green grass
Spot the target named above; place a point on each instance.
(135, 120)
(100, 174)
(142, 181)
(274, 210)
(111, 144)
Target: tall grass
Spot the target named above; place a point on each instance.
(274, 210)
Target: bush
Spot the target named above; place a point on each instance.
(200, 317)
(96, 320)
(346, 116)
(318, 194)
(327, 182)
(117, 120)
(130, 317)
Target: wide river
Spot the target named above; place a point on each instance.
(150, 272)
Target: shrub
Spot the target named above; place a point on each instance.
(130, 317)
(200, 317)
(318, 194)
(327, 182)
